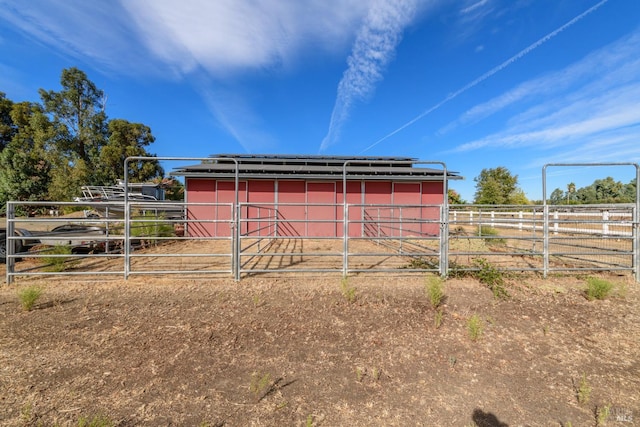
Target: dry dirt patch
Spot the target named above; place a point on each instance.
(293, 351)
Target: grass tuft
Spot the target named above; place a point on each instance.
(583, 391)
(434, 290)
(474, 326)
(348, 292)
(597, 288)
(28, 296)
(96, 421)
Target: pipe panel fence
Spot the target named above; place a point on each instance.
(197, 239)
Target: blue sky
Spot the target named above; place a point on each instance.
(475, 84)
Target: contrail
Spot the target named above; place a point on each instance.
(373, 49)
(490, 73)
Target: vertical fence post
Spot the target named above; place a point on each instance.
(545, 234)
(10, 243)
(444, 239)
(520, 216)
(605, 223)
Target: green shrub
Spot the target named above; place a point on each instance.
(148, 225)
(434, 290)
(28, 296)
(491, 235)
(492, 277)
(56, 263)
(597, 288)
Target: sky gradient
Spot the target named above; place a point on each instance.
(474, 84)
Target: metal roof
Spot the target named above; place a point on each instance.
(255, 166)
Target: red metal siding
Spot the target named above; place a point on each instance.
(324, 193)
(225, 197)
(432, 194)
(200, 191)
(261, 211)
(291, 208)
(354, 197)
(314, 208)
(410, 215)
(377, 219)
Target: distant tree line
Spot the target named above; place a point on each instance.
(498, 186)
(49, 149)
(605, 190)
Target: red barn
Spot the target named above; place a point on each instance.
(288, 195)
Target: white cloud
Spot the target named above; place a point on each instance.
(373, 49)
(473, 8)
(594, 122)
(524, 52)
(219, 36)
(90, 31)
(229, 35)
(616, 64)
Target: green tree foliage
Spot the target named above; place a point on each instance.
(78, 110)
(127, 140)
(498, 186)
(605, 190)
(7, 127)
(49, 150)
(173, 189)
(455, 198)
(24, 165)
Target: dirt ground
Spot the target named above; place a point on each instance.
(295, 351)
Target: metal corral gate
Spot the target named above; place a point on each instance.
(371, 238)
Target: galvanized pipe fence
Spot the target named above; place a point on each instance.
(258, 239)
(369, 239)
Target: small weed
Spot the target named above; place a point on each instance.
(421, 264)
(457, 271)
(583, 391)
(452, 361)
(597, 288)
(96, 421)
(26, 414)
(602, 415)
(434, 290)
(373, 373)
(348, 291)
(260, 383)
(545, 329)
(474, 326)
(309, 422)
(28, 296)
(492, 277)
(257, 301)
(438, 318)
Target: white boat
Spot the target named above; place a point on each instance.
(108, 201)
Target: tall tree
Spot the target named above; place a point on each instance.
(498, 186)
(7, 127)
(78, 112)
(455, 198)
(24, 162)
(127, 140)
